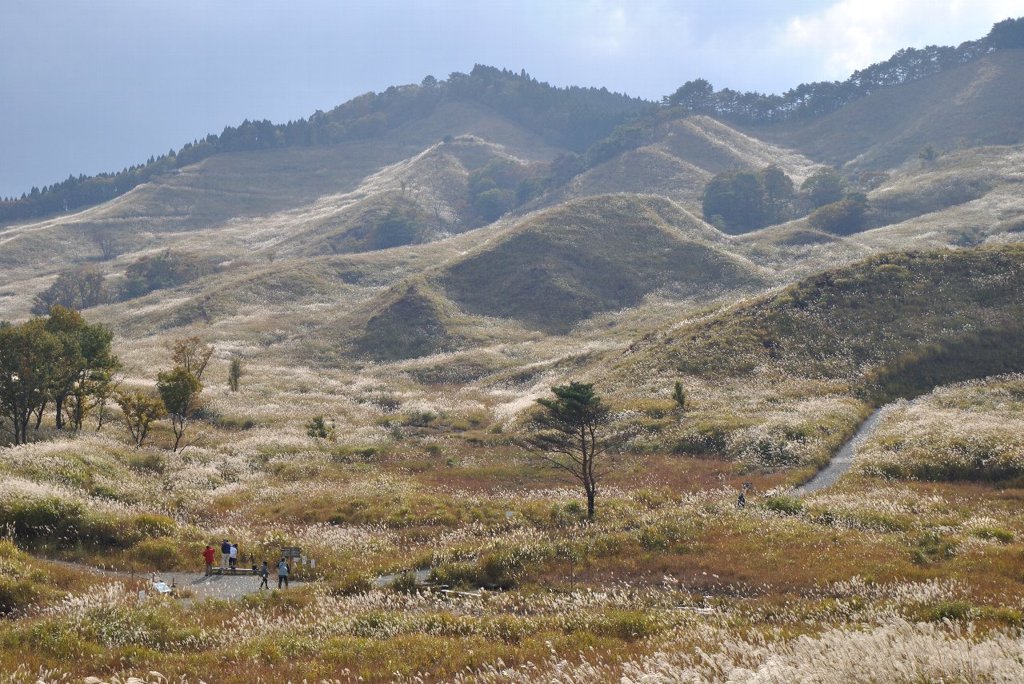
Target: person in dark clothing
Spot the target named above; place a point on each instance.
(264, 574)
(225, 554)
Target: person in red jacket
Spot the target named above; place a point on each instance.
(208, 557)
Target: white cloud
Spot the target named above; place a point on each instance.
(851, 34)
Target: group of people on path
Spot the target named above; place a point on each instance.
(229, 561)
(228, 557)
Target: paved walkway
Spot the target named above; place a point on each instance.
(196, 584)
(843, 460)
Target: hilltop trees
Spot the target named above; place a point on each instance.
(567, 436)
(695, 96)
(809, 100)
(1008, 33)
(571, 117)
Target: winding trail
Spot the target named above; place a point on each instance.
(843, 460)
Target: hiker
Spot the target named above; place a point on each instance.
(742, 501)
(233, 557)
(208, 557)
(225, 554)
(282, 573)
(264, 574)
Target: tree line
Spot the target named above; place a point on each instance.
(810, 100)
(571, 117)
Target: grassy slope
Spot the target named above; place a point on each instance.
(679, 159)
(976, 104)
(869, 320)
(233, 204)
(566, 264)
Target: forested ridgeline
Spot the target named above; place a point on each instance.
(581, 120)
(809, 100)
(572, 118)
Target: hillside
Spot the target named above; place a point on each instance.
(569, 118)
(387, 290)
(873, 324)
(602, 253)
(967, 106)
(677, 160)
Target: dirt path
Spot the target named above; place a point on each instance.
(843, 460)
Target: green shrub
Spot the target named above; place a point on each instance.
(627, 625)
(502, 568)
(932, 547)
(349, 584)
(16, 595)
(786, 505)
(882, 522)
(160, 554)
(995, 533)
(146, 462)
(667, 535)
(32, 520)
(419, 418)
(320, 427)
(405, 583)
(152, 525)
(567, 515)
(459, 574)
(949, 610)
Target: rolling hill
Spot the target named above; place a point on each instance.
(877, 324)
(465, 226)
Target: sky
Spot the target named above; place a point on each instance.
(88, 86)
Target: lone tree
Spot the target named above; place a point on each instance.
(567, 436)
(234, 373)
(679, 395)
(179, 390)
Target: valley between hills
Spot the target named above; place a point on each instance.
(396, 284)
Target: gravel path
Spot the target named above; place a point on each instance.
(218, 586)
(195, 585)
(843, 460)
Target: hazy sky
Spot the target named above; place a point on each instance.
(96, 85)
